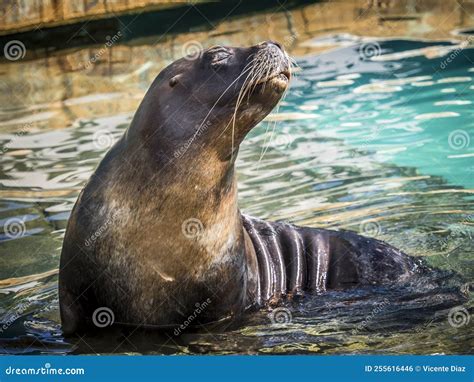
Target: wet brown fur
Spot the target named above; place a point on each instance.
(142, 266)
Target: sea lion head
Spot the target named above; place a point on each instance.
(213, 99)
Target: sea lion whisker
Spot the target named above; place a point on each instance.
(263, 67)
(285, 93)
(267, 68)
(268, 71)
(291, 59)
(265, 147)
(248, 85)
(262, 70)
(259, 71)
(245, 86)
(225, 129)
(238, 102)
(242, 90)
(212, 108)
(240, 96)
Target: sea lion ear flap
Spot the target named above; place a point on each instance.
(174, 80)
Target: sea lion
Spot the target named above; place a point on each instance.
(157, 230)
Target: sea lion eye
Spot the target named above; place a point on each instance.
(219, 55)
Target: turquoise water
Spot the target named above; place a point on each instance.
(380, 143)
(413, 111)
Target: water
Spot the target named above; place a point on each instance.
(375, 135)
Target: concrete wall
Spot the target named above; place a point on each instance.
(24, 15)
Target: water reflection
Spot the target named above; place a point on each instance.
(378, 142)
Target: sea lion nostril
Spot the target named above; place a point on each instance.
(277, 44)
(265, 44)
